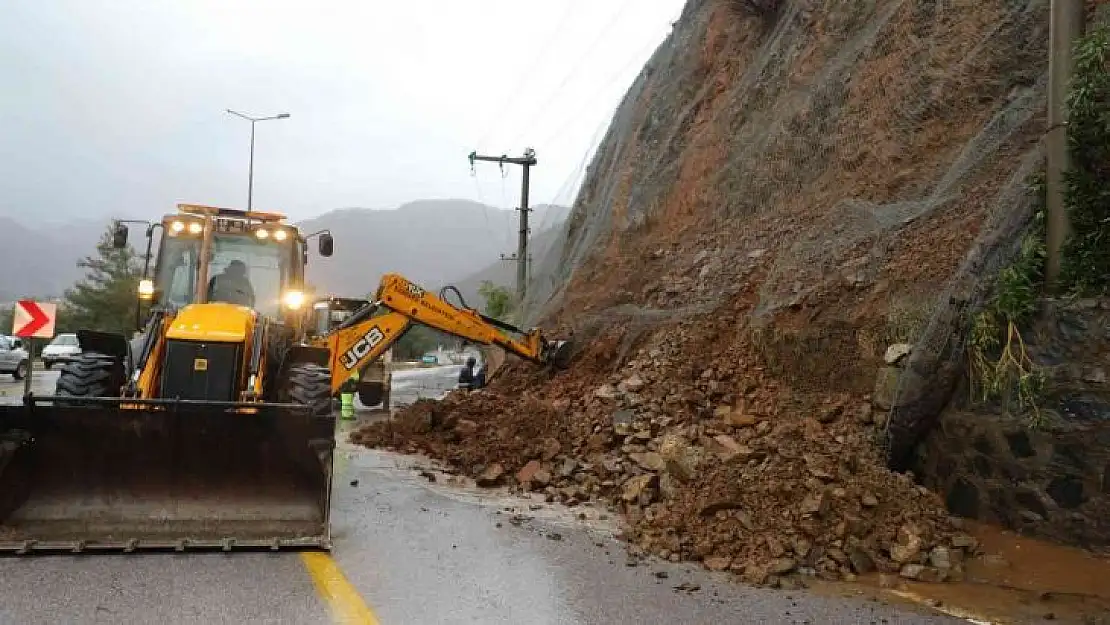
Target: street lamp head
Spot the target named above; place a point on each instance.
(282, 115)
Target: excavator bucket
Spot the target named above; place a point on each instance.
(561, 353)
(159, 475)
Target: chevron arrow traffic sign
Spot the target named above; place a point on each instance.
(34, 319)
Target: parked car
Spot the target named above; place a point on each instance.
(13, 357)
(61, 349)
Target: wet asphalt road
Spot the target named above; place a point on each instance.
(42, 383)
(415, 552)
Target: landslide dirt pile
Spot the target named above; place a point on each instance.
(704, 455)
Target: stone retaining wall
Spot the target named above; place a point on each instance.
(1052, 481)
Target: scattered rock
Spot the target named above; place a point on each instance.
(541, 478)
(632, 384)
(466, 427)
(782, 566)
(649, 461)
(861, 561)
(568, 467)
(491, 476)
(528, 472)
(551, 448)
(896, 353)
(682, 459)
(908, 546)
(1096, 375)
(606, 391)
(965, 542)
(868, 500)
(815, 504)
(940, 558)
(636, 487)
(622, 421)
(738, 418)
(911, 571)
(718, 563)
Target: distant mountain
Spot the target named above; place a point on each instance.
(43, 262)
(432, 242)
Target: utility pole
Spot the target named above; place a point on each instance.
(1065, 27)
(521, 257)
(250, 173)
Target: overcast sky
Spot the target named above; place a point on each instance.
(117, 107)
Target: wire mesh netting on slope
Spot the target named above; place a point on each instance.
(813, 156)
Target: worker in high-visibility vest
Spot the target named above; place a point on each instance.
(347, 396)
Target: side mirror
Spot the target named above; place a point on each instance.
(119, 237)
(327, 245)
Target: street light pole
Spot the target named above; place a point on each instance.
(250, 173)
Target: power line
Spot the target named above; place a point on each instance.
(652, 45)
(574, 68)
(526, 73)
(576, 176)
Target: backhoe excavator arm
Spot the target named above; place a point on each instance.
(369, 332)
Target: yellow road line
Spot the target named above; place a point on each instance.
(343, 600)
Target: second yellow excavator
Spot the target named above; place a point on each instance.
(398, 304)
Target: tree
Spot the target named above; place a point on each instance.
(499, 301)
(105, 299)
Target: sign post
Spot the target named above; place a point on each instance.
(33, 320)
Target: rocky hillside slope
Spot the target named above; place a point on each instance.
(782, 196)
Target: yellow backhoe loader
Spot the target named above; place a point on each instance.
(214, 426)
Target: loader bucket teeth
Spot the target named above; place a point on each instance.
(133, 478)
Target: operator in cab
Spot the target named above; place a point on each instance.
(232, 285)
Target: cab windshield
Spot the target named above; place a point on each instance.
(241, 270)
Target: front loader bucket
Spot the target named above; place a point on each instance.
(163, 476)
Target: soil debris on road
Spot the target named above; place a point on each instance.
(706, 462)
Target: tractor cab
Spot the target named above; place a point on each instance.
(207, 254)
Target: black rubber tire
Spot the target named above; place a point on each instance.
(21, 370)
(309, 384)
(90, 374)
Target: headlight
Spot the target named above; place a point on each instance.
(292, 299)
(146, 288)
(261, 233)
(177, 226)
(195, 228)
(280, 235)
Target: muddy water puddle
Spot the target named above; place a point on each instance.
(1013, 579)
